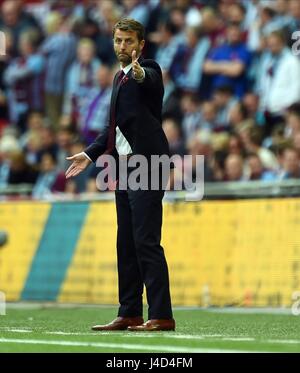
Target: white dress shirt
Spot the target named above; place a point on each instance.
(281, 89)
(122, 145)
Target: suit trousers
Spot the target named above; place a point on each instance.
(141, 258)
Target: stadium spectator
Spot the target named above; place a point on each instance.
(292, 120)
(59, 48)
(93, 107)
(171, 99)
(277, 84)
(251, 103)
(25, 79)
(65, 137)
(8, 145)
(235, 145)
(158, 13)
(173, 133)
(50, 179)
(15, 20)
(228, 63)
(267, 22)
(224, 100)
(237, 115)
(251, 137)
(237, 15)
(20, 172)
(48, 143)
(185, 171)
(168, 44)
(208, 116)
(290, 165)
(137, 10)
(189, 59)
(82, 77)
(256, 170)
(35, 122)
(33, 147)
(213, 27)
(5, 60)
(191, 120)
(97, 25)
(294, 11)
(234, 168)
(296, 143)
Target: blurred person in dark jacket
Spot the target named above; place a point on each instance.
(16, 21)
(24, 78)
(20, 172)
(59, 49)
(50, 179)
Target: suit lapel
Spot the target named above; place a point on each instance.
(114, 96)
(115, 91)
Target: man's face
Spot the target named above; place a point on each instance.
(255, 166)
(275, 45)
(104, 76)
(85, 53)
(234, 167)
(233, 35)
(220, 99)
(10, 13)
(291, 161)
(47, 163)
(125, 42)
(25, 48)
(294, 8)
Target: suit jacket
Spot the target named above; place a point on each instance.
(138, 114)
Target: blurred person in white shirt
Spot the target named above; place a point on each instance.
(278, 82)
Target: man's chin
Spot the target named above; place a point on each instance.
(124, 59)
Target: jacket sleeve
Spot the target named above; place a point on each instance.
(99, 146)
(153, 75)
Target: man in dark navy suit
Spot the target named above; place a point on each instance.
(135, 129)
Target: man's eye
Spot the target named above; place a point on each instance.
(119, 41)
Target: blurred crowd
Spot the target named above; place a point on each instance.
(231, 71)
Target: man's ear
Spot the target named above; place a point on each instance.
(142, 44)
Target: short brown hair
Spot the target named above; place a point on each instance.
(129, 24)
(280, 35)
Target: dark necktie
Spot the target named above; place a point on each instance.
(121, 75)
(112, 126)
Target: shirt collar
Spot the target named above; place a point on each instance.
(127, 69)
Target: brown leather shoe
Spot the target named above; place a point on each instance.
(120, 323)
(154, 325)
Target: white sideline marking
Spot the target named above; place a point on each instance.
(287, 341)
(238, 339)
(68, 333)
(160, 335)
(16, 330)
(120, 346)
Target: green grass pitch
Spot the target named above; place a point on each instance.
(67, 329)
